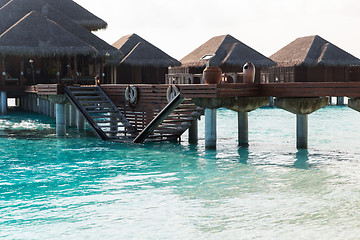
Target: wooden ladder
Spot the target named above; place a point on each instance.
(172, 121)
(101, 113)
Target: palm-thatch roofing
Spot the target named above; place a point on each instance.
(313, 51)
(139, 52)
(46, 39)
(75, 12)
(16, 9)
(228, 51)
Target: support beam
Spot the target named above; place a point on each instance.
(60, 120)
(301, 131)
(210, 128)
(3, 103)
(243, 129)
(301, 107)
(193, 132)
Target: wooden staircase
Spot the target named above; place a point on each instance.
(101, 113)
(171, 122)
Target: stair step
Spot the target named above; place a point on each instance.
(115, 132)
(102, 111)
(84, 92)
(89, 97)
(93, 102)
(101, 106)
(163, 136)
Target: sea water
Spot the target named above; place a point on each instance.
(80, 187)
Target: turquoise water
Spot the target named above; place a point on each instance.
(83, 188)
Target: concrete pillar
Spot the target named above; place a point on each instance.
(243, 129)
(47, 107)
(34, 103)
(60, 120)
(301, 131)
(3, 103)
(51, 109)
(80, 121)
(73, 116)
(193, 132)
(340, 101)
(271, 104)
(67, 114)
(210, 128)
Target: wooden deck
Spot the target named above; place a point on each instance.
(156, 93)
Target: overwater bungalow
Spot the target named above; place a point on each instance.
(142, 63)
(72, 10)
(228, 53)
(44, 45)
(73, 67)
(312, 59)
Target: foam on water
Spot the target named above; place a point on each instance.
(83, 188)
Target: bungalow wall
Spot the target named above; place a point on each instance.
(140, 75)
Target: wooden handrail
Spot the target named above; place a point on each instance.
(164, 113)
(88, 118)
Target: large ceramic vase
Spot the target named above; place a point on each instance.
(249, 73)
(212, 75)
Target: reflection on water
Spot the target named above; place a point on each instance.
(302, 159)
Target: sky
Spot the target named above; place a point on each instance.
(179, 26)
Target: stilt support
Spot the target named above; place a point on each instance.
(243, 129)
(193, 132)
(3, 102)
(210, 128)
(301, 131)
(80, 121)
(60, 120)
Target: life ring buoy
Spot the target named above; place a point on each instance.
(171, 92)
(131, 95)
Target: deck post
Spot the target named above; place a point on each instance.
(210, 128)
(80, 121)
(193, 132)
(73, 119)
(3, 102)
(243, 129)
(301, 131)
(60, 120)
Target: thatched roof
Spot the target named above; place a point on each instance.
(46, 39)
(313, 51)
(75, 12)
(78, 14)
(139, 52)
(19, 8)
(228, 51)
